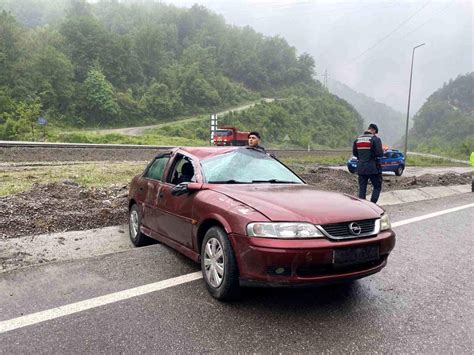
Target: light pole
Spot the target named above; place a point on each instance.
(409, 95)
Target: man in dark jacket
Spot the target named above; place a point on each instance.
(254, 141)
(367, 148)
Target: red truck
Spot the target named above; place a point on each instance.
(228, 135)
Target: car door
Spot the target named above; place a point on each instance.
(177, 219)
(387, 161)
(153, 180)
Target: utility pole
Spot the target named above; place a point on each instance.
(409, 95)
(213, 127)
(326, 78)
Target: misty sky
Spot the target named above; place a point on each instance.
(368, 44)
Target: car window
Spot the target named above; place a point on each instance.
(387, 155)
(156, 169)
(183, 171)
(246, 166)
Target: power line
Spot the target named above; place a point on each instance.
(391, 32)
(424, 23)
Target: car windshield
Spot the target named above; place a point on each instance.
(246, 166)
(223, 133)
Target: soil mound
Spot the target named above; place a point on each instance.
(66, 206)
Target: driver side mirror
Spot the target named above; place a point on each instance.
(185, 187)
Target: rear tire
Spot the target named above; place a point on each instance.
(352, 171)
(219, 265)
(399, 170)
(134, 222)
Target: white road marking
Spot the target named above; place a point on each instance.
(72, 308)
(430, 215)
(61, 311)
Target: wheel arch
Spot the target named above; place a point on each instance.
(206, 224)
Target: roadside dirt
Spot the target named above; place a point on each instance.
(66, 206)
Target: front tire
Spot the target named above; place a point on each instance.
(134, 222)
(399, 170)
(219, 266)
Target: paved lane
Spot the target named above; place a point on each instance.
(422, 302)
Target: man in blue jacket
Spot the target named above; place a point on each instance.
(367, 148)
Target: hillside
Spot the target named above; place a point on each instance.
(111, 64)
(391, 123)
(445, 123)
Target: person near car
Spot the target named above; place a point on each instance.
(367, 148)
(254, 141)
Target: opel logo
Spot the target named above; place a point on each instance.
(355, 228)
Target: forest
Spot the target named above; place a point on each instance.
(445, 123)
(112, 64)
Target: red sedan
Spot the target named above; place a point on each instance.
(250, 220)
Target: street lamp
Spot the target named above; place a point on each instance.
(409, 94)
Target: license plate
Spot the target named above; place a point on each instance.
(353, 256)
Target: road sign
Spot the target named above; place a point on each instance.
(42, 121)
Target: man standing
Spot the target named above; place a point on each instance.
(367, 148)
(254, 141)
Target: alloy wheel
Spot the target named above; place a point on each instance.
(214, 262)
(133, 225)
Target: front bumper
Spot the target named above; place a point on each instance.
(277, 262)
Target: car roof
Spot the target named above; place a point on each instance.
(206, 152)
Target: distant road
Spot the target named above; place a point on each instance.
(137, 131)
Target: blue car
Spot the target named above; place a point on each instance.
(392, 160)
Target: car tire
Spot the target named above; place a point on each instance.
(219, 265)
(352, 171)
(134, 222)
(399, 170)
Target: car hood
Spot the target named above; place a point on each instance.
(300, 203)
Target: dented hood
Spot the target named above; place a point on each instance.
(291, 203)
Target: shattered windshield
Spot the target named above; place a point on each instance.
(246, 166)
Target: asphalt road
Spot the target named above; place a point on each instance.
(421, 302)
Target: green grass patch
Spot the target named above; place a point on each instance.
(20, 179)
(416, 160)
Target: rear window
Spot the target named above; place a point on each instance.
(156, 169)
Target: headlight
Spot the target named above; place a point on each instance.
(385, 222)
(283, 230)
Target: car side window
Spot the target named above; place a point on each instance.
(156, 169)
(387, 155)
(183, 171)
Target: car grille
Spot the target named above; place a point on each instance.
(342, 230)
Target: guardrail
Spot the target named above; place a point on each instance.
(19, 144)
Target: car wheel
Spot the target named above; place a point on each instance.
(399, 171)
(134, 221)
(219, 266)
(352, 171)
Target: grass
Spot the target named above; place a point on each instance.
(415, 160)
(98, 174)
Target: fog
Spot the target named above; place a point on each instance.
(367, 45)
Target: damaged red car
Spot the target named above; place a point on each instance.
(249, 220)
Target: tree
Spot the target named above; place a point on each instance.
(159, 101)
(27, 114)
(99, 103)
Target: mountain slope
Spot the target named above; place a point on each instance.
(391, 123)
(445, 123)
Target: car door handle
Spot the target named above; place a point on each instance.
(160, 195)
